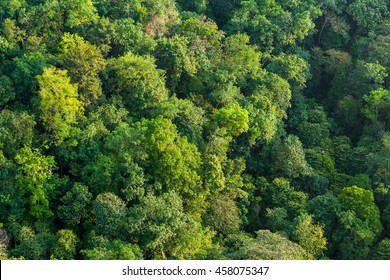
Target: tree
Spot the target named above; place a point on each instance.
(25, 70)
(73, 209)
(321, 163)
(165, 231)
(379, 163)
(7, 91)
(368, 13)
(17, 131)
(101, 248)
(291, 68)
(324, 210)
(10, 7)
(34, 246)
(379, 46)
(223, 215)
(68, 14)
(332, 17)
(378, 104)
(309, 236)
(79, 12)
(198, 6)
(162, 16)
(382, 250)
(271, 246)
(233, 118)
(289, 158)
(280, 194)
(142, 88)
(267, 105)
(10, 202)
(194, 129)
(223, 10)
(277, 219)
(175, 57)
(359, 223)
(353, 237)
(130, 36)
(349, 112)
(172, 160)
(271, 24)
(59, 104)
(240, 58)
(361, 202)
(314, 132)
(4, 243)
(84, 62)
(188, 118)
(109, 162)
(36, 171)
(110, 213)
(66, 247)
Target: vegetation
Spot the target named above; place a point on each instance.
(200, 129)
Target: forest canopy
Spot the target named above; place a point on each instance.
(194, 129)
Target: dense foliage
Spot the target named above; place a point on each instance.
(195, 129)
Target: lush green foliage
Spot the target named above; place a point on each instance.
(199, 129)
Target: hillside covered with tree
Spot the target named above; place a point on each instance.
(194, 129)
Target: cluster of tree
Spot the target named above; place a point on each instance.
(195, 129)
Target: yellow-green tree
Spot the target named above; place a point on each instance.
(59, 105)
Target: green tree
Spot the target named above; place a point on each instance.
(137, 80)
(271, 24)
(289, 158)
(164, 230)
(101, 248)
(36, 171)
(277, 219)
(382, 250)
(223, 10)
(353, 237)
(240, 59)
(10, 7)
(359, 223)
(324, 210)
(361, 201)
(272, 246)
(34, 246)
(77, 12)
(129, 36)
(291, 68)
(310, 236)
(188, 118)
(110, 213)
(174, 56)
(378, 104)
(172, 160)
(280, 194)
(66, 247)
(379, 163)
(267, 106)
(74, 206)
(16, 131)
(59, 104)
(7, 91)
(193, 5)
(84, 62)
(234, 119)
(10, 203)
(223, 215)
(368, 13)
(315, 131)
(25, 70)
